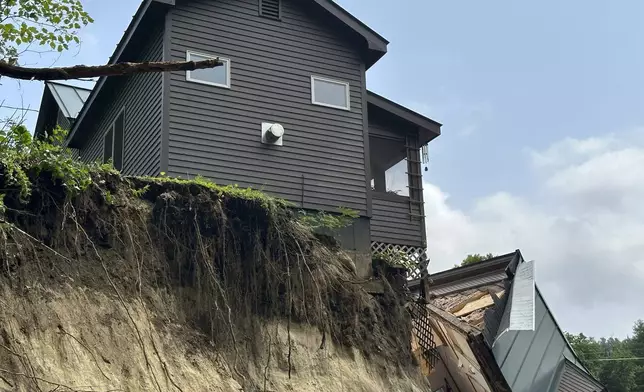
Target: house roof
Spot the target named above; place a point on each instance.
(70, 99)
(429, 129)
(480, 295)
(376, 44)
(57, 96)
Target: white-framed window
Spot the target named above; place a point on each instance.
(113, 141)
(329, 92)
(217, 76)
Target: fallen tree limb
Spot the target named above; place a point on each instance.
(86, 71)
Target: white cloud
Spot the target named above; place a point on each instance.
(570, 149)
(584, 227)
(467, 118)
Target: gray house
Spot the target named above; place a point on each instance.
(289, 112)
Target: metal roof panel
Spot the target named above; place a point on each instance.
(70, 99)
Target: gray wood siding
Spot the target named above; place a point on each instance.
(141, 96)
(574, 380)
(63, 121)
(390, 221)
(215, 132)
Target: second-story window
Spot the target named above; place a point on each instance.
(329, 92)
(218, 76)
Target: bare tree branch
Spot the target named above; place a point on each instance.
(85, 71)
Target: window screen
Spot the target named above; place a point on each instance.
(218, 76)
(327, 92)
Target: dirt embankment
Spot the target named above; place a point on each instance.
(76, 339)
(162, 285)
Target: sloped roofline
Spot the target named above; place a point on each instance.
(68, 85)
(375, 42)
(120, 47)
(59, 99)
(423, 122)
(507, 261)
(43, 104)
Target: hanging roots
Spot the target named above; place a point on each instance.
(230, 260)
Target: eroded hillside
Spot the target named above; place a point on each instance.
(110, 283)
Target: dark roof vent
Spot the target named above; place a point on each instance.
(270, 8)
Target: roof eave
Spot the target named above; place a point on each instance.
(376, 43)
(431, 128)
(372, 37)
(374, 55)
(493, 264)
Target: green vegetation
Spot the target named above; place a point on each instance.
(50, 23)
(23, 158)
(396, 259)
(232, 191)
(475, 258)
(329, 221)
(618, 364)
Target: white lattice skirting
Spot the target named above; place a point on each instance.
(415, 255)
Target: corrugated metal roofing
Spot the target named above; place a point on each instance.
(574, 380)
(70, 99)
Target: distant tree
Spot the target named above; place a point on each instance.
(475, 258)
(615, 363)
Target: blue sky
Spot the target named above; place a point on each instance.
(543, 136)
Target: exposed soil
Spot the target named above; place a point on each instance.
(141, 284)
